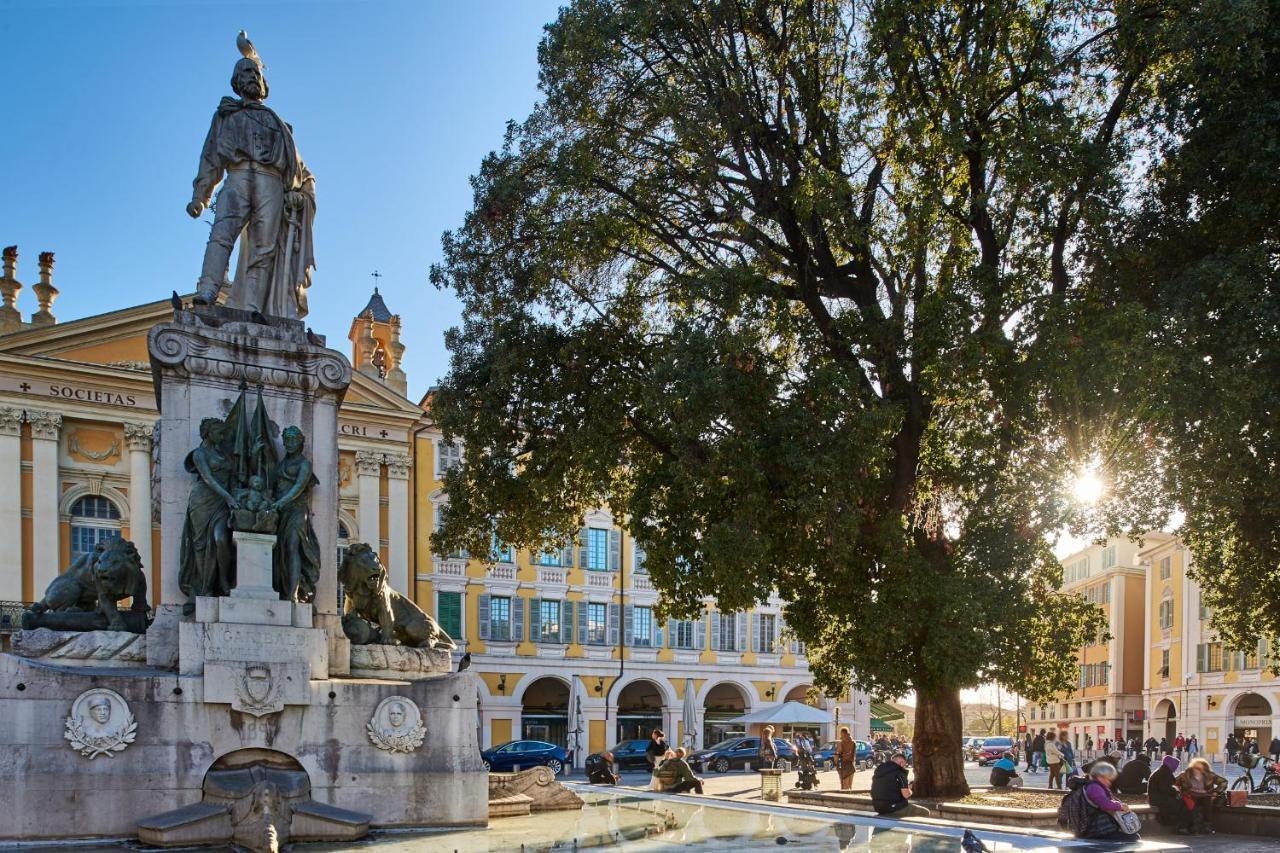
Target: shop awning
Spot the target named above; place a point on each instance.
(885, 711)
(879, 725)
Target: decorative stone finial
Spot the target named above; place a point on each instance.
(396, 376)
(45, 292)
(10, 317)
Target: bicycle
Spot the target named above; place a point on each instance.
(1270, 783)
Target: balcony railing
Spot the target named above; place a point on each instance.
(642, 583)
(503, 572)
(597, 578)
(451, 568)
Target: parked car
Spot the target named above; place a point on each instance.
(524, 754)
(627, 755)
(992, 748)
(862, 754)
(738, 752)
(973, 747)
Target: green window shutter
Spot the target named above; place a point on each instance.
(484, 617)
(449, 613)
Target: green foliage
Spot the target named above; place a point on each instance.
(1196, 267)
(790, 287)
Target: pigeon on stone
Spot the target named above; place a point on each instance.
(247, 50)
(313, 338)
(972, 844)
(464, 662)
(176, 301)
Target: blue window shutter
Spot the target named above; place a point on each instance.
(715, 630)
(740, 619)
(628, 615)
(517, 618)
(613, 619)
(700, 627)
(566, 621)
(535, 619)
(584, 542)
(484, 616)
(615, 550)
(581, 607)
(755, 632)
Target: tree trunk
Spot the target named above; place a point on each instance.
(938, 763)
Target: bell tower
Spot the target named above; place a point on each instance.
(376, 350)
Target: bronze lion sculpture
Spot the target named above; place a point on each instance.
(376, 613)
(87, 595)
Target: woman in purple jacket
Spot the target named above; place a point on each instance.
(1102, 826)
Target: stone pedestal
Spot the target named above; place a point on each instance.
(199, 362)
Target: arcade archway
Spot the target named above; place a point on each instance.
(1164, 720)
(544, 713)
(724, 702)
(640, 710)
(1252, 719)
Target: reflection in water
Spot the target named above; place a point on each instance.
(616, 820)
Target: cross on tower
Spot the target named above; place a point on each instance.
(375, 275)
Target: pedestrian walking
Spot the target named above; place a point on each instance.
(657, 748)
(846, 758)
(1053, 760)
(1179, 746)
(1274, 749)
(1193, 746)
(1233, 748)
(1166, 748)
(768, 749)
(1037, 752)
(1088, 747)
(1153, 747)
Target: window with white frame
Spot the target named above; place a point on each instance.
(1166, 568)
(597, 624)
(684, 633)
(1166, 613)
(549, 621)
(729, 631)
(448, 457)
(597, 549)
(500, 618)
(768, 633)
(1108, 556)
(642, 626)
(94, 519)
(439, 511)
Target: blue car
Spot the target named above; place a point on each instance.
(739, 752)
(524, 754)
(862, 754)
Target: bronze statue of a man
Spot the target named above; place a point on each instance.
(267, 194)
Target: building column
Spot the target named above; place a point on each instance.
(11, 501)
(137, 437)
(398, 521)
(45, 428)
(368, 471)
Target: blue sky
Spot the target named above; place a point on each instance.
(393, 106)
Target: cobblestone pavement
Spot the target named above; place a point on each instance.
(741, 785)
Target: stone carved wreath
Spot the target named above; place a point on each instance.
(396, 725)
(100, 723)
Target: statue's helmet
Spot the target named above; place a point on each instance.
(247, 64)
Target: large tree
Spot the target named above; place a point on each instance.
(789, 287)
(1197, 269)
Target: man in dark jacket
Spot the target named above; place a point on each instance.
(1233, 747)
(600, 772)
(1274, 749)
(1166, 748)
(1133, 776)
(891, 791)
(1164, 797)
(1037, 752)
(1152, 746)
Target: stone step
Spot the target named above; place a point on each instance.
(513, 805)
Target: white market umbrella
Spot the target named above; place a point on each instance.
(784, 714)
(690, 716)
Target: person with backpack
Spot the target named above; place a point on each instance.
(1090, 811)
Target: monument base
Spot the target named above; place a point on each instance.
(381, 661)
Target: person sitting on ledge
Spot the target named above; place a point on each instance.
(1163, 795)
(890, 789)
(1200, 787)
(1133, 776)
(601, 772)
(1004, 773)
(681, 774)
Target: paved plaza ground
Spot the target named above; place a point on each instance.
(742, 785)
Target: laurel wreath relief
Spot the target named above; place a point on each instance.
(92, 746)
(407, 742)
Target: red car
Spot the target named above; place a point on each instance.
(993, 748)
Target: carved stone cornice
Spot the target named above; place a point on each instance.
(368, 463)
(138, 436)
(397, 466)
(273, 357)
(45, 425)
(10, 421)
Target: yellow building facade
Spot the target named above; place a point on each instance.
(576, 627)
(1107, 701)
(1194, 684)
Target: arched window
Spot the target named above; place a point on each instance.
(93, 519)
(344, 542)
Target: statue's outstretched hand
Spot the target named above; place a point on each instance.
(195, 208)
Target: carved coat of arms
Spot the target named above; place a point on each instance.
(257, 692)
(396, 725)
(100, 723)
